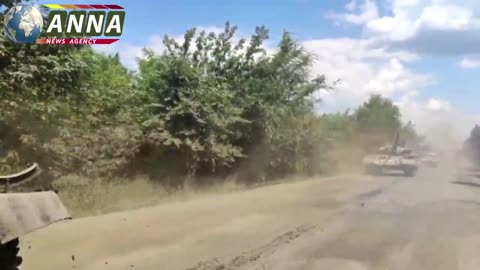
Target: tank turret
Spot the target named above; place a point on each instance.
(392, 157)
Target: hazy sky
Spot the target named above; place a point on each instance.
(424, 54)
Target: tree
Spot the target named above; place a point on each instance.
(409, 136)
(192, 100)
(472, 144)
(377, 121)
(99, 136)
(221, 102)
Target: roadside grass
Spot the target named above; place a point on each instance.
(89, 197)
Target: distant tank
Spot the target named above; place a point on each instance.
(430, 160)
(391, 158)
(24, 212)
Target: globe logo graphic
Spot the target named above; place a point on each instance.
(23, 23)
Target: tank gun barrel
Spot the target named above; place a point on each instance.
(396, 142)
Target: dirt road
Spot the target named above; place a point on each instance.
(347, 222)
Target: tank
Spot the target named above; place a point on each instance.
(22, 212)
(430, 160)
(391, 158)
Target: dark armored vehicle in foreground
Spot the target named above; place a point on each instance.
(24, 212)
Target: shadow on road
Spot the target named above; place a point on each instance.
(471, 184)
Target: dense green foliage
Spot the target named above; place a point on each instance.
(209, 106)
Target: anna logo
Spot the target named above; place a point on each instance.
(66, 24)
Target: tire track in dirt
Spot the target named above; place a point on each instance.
(255, 254)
